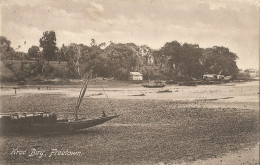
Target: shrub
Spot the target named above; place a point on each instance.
(243, 76)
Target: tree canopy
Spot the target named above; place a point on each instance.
(48, 43)
(171, 61)
(6, 51)
(219, 60)
(180, 59)
(33, 52)
(5, 44)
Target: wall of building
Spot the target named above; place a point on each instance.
(136, 77)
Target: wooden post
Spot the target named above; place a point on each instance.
(15, 89)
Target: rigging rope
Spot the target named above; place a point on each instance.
(109, 101)
(82, 93)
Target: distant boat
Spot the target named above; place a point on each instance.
(48, 122)
(154, 84)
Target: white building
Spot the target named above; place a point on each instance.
(209, 76)
(213, 76)
(135, 76)
(253, 72)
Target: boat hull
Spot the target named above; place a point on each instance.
(59, 126)
(153, 86)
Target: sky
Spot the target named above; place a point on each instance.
(229, 23)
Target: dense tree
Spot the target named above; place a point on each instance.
(5, 44)
(219, 60)
(21, 56)
(117, 60)
(122, 59)
(70, 53)
(145, 52)
(170, 56)
(180, 60)
(6, 51)
(33, 52)
(48, 43)
(76, 57)
(62, 55)
(191, 60)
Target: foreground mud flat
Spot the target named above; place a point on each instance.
(248, 156)
(149, 130)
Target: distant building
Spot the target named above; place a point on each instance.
(253, 72)
(213, 76)
(135, 76)
(209, 76)
(150, 59)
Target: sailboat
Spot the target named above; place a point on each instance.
(48, 122)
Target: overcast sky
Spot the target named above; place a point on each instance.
(230, 23)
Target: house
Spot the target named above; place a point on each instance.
(210, 76)
(135, 76)
(213, 76)
(254, 73)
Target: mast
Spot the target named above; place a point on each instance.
(82, 93)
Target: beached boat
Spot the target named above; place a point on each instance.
(48, 122)
(154, 84)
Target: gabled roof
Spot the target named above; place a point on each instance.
(136, 73)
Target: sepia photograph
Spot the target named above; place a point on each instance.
(120, 82)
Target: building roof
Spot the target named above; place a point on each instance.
(136, 73)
